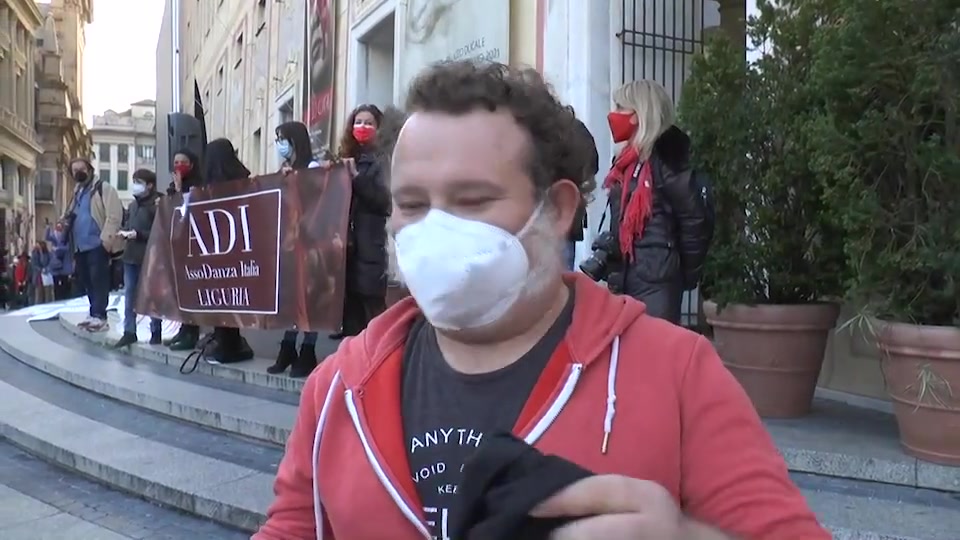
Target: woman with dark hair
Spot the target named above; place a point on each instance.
(366, 286)
(221, 164)
(186, 175)
(293, 147)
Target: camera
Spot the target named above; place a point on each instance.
(605, 250)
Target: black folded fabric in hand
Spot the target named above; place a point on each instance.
(502, 483)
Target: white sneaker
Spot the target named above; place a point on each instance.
(86, 322)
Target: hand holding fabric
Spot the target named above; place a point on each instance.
(614, 507)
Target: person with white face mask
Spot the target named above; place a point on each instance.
(487, 177)
(293, 149)
(136, 230)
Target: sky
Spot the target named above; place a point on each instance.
(121, 55)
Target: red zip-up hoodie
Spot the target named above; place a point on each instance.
(657, 394)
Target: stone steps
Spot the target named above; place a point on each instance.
(262, 414)
(155, 442)
(837, 440)
(172, 475)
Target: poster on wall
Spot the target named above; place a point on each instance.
(265, 253)
(319, 71)
(438, 30)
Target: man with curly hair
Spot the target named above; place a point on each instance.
(487, 177)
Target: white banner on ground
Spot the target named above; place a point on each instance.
(115, 307)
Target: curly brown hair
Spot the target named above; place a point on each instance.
(349, 147)
(463, 86)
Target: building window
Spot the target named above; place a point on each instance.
(238, 51)
(103, 152)
(122, 179)
(145, 151)
(286, 111)
(261, 16)
(256, 145)
(123, 153)
(105, 175)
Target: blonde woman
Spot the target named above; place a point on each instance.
(658, 217)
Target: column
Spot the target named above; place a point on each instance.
(577, 49)
(733, 19)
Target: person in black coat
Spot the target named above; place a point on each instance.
(591, 167)
(658, 235)
(221, 164)
(186, 175)
(366, 285)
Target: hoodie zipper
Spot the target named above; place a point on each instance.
(566, 392)
(372, 457)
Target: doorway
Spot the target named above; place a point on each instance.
(375, 61)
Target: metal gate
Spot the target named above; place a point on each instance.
(658, 39)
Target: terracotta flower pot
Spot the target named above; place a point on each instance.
(922, 370)
(775, 351)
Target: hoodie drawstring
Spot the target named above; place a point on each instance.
(318, 434)
(611, 393)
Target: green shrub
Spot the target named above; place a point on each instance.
(886, 149)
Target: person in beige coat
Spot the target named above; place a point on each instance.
(93, 223)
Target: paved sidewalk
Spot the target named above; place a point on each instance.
(41, 502)
(26, 518)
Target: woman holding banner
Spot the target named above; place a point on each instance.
(293, 147)
(366, 286)
(186, 174)
(221, 164)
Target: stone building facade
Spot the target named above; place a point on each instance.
(59, 121)
(124, 142)
(246, 59)
(19, 144)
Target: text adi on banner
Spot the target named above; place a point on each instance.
(266, 253)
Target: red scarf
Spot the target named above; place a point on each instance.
(634, 210)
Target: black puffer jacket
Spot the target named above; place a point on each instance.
(140, 216)
(367, 243)
(668, 256)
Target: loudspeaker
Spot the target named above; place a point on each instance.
(184, 131)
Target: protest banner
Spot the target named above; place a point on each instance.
(267, 253)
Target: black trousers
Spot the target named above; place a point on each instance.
(359, 310)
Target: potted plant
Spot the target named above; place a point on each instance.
(888, 153)
(775, 265)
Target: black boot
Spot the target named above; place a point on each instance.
(126, 340)
(285, 358)
(188, 341)
(229, 347)
(155, 338)
(305, 363)
(176, 337)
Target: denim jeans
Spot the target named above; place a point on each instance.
(93, 277)
(570, 255)
(131, 279)
(309, 338)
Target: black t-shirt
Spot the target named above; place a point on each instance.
(447, 413)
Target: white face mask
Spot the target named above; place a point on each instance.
(138, 189)
(463, 273)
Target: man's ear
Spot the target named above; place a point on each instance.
(565, 198)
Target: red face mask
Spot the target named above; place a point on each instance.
(364, 134)
(621, 126)
(182, 168)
